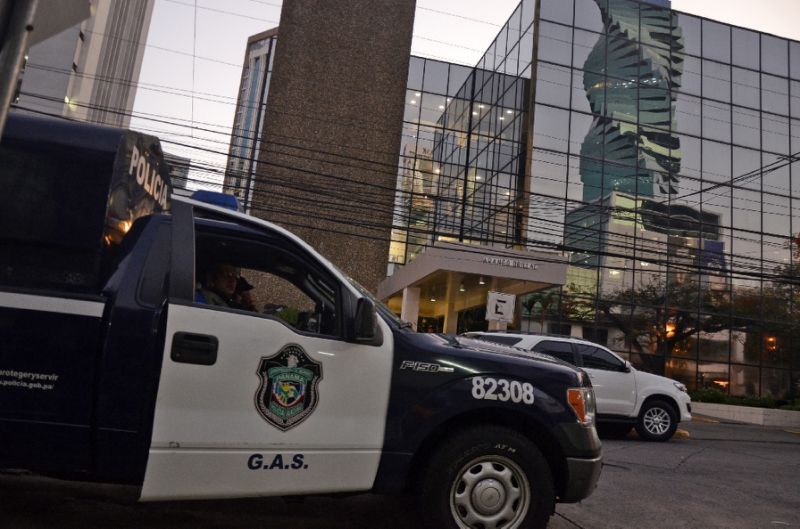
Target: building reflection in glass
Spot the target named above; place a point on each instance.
(651, 147)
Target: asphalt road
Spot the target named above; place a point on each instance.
(721, 476)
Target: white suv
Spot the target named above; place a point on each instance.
(625, 397)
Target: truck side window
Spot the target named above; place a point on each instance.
(308, 307)
(266, 279)
(561, 350)
(596, 358)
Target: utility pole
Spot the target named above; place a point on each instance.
(16, 25)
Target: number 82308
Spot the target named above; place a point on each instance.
(488, 388)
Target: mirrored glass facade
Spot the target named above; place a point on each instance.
(653, 149)
(465, 131)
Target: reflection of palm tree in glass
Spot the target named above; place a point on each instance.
(630, 77)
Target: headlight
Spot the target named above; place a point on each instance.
(582, 402)
(680, 387)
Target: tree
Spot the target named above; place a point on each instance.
(665, 314)
(544, 303)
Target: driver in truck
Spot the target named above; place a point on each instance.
(219, 286)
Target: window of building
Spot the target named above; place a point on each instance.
(716, 41)
(794, 60)
(746, 88)
(775, 55)
(555, 43)
(598, 336)
(746, 49)
(775, 94)
(559, 329)
(557, 11)
(587, 14)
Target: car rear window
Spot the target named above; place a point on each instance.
(561, 350)
(499, 338)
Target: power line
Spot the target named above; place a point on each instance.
(223, 12)
(392, 166)
(559, 233)
(554, 138)
(506, 240)
(329, 162)
(163, 48)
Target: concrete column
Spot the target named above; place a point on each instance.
(333, 128)
(498, 326)
(410, 309)
(451, 297)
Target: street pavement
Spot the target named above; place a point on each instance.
(723, 476)
(719, 476)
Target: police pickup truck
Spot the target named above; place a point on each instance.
(112, 370)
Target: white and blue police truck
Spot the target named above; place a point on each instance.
(113, 369)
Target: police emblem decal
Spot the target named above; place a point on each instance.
(287, 393)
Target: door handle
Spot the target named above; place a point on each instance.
(191, 348)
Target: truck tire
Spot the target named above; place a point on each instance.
(657, 421)
(488, 478)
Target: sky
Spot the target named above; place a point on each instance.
(193, 57)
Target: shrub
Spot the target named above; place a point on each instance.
(710, 395)
(715, 396)
(754, 402)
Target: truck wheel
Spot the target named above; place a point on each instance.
(657, 421)
(488, 478)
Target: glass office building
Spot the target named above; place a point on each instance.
(248, 123)
(655, 152)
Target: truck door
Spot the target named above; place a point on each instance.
(271, 401)
(50, 344)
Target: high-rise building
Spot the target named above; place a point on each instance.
(89, 71)
(248, 123)
(179, 169)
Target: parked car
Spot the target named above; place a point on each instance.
(626, 397)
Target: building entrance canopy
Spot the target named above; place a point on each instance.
(451, 277)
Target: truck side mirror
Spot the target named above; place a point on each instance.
(365, 323)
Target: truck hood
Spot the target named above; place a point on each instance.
(468, 357)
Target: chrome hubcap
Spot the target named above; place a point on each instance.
(490, 492)
(657, 421)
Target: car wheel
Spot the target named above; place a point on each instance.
(657, 421)
(488, 478)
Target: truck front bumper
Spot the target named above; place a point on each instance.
(582, 480)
